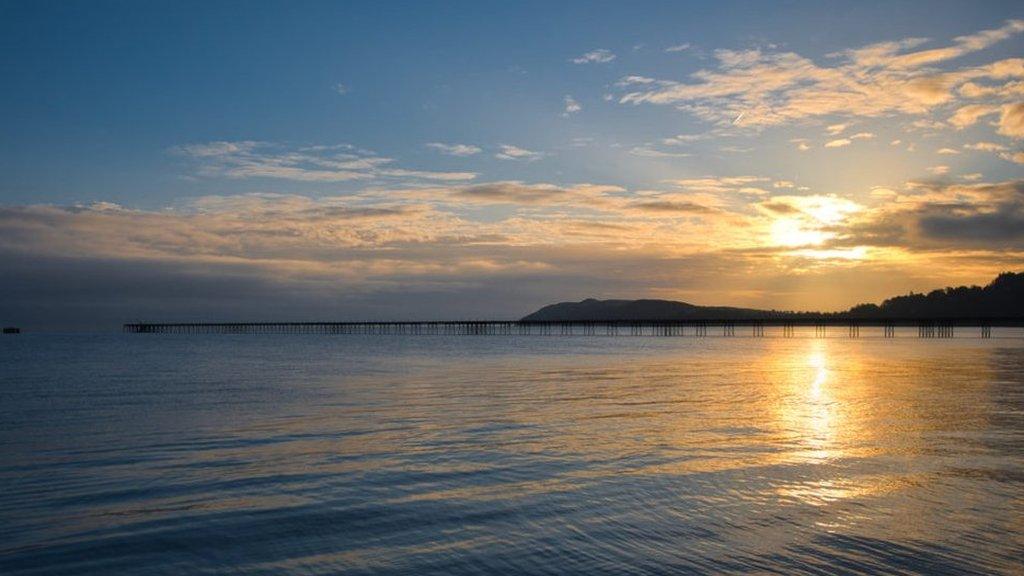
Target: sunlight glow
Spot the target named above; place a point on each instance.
(791, 232)
(855, 253)
(807, 221)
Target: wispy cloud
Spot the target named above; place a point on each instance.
(337, 163)
(682, 139)
(599, 56)
(678, 47)
(519, 193)
(510, 152)
(571, 106)
(835, 129)
(454, 149)
(772, 88)
(650, 152)
(985, 146)
(719, 185)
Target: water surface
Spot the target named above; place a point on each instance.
(162, 454)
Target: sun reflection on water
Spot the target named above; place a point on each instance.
(820, 429)
(817, 361)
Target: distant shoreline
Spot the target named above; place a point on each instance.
(1003, 298)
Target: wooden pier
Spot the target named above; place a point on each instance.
(754, 327)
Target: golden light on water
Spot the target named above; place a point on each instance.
(819, 418)
(817, 361)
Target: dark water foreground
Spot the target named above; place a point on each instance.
(157, 454)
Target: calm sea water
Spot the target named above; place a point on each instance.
(160, 454)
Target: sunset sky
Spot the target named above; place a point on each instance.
(272, 161)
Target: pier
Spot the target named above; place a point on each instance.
(726, 328)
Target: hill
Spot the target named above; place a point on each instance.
(1003, 297)
(607, 310)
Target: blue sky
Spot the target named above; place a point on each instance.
(164, 110)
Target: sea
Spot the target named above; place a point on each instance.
(155, 454)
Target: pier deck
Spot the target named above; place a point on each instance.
(756, 327)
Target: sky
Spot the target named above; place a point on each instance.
(187, 161)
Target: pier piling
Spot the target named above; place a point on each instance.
(926, 328)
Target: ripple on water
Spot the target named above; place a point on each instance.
(503, 455)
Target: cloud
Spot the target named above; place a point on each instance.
(928, 217)
(454, 149)
(216, 149)
(1014, 89)
(295, 249)
(682, 139)
(341, 89)
(801, 144)
(825, 209)
(1002, 150)
(509, 152)
(1007, 223)
(389, 252)
(970, 114)
(947, 151)
(862, 136)
(672, 207)
(838, 143)
(714, 185)
(927, 124)
(678, 47)
(775, 88)
(835, 129)
(515, 192)
(939, 170)
(985, 146)
(1011, 120)
(648, 152)
(339, 163)
(599, 56)
(571, 106)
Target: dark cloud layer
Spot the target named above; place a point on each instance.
(1005, 225)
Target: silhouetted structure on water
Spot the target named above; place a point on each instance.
(938, 314)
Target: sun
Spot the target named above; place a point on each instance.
(792, 232)
(810, 220)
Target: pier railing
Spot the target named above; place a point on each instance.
(754, 327)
